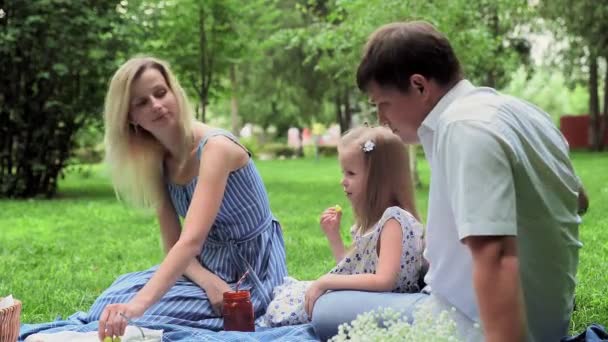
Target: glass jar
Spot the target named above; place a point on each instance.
(238, 311)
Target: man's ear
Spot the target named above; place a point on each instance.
(418, 83)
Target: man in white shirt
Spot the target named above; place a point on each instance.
(502, 227)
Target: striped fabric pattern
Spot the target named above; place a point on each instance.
(181, 333)
(245, 236)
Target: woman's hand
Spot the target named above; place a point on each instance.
(330, 222)
(314, 291)
(112, 324)
(215, 293)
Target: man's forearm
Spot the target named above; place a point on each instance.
(498, 290)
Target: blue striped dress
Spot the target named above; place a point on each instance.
(244, 236)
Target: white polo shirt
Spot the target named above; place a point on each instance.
(499, 166)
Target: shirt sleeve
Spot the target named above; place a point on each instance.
(477, 165)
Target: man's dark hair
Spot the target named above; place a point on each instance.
(396, 51)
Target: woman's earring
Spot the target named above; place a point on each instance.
(135, 127)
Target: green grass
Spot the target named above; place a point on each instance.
(58, 255)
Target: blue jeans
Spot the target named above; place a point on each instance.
(337, 307)
(594, 333)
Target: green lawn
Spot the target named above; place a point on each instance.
(58, 255)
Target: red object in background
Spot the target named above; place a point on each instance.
(238, 311)
(575, 129)
(306, 136)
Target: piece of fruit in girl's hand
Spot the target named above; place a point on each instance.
(107, 339)
(338, 208)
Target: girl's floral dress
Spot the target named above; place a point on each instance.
(287, 307)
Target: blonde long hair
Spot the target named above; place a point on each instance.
(133, 155)
(389, 180)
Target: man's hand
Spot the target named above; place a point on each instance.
(583, 201)
(497, 286)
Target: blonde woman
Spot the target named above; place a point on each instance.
(161, 157)
(386, 254)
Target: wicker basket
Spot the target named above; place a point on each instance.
(9, 322)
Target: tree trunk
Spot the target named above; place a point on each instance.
(234, 105)
(344, 112)
(348, 112)
(197, 109)
(594, 106)
(491, 79)
(205, 63)
(203, 111)
(338, 103)
(604, 119)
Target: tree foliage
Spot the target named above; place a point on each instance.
(55, 57)
(583, 26)
(275, 63)
(485, 34)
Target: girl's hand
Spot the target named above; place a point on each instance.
(112, 324)
(330, 221)
(215, 293)
(314, 291)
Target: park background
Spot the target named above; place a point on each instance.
(258, 68)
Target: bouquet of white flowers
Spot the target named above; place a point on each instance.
(391, 325)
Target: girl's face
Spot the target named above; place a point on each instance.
(353, 174)
(153, 105)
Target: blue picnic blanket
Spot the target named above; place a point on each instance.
(594, 333)
(179, 333)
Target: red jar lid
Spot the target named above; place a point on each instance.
(237, 295)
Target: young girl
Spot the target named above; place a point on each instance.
(386, 255)
(160, 157)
